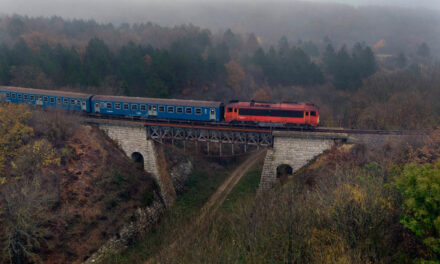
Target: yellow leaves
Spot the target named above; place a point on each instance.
(328, 247)
(236, 75)
(37, 156)
(14, 131)
(349, 193)
(44, 152)
(17, 152)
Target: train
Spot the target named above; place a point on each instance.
(235, 112)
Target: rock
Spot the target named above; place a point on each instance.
(180, 173)
(144, 221)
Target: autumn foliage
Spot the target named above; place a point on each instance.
(64, 188)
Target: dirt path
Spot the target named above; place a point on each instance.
(217, 199)
(223, 191)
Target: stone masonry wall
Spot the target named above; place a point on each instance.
(134, 139)
(295, 149)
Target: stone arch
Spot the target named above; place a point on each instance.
(283, 171)
(138, 159)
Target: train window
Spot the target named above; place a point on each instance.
(134, 107)
(45, 99)
(235, 110)
(229, 109)
(313, 113)
(198, 111)
(179, 109)
(19, 96)
(118, 106)
(188, 110)
(150, 107)
(109, 105)
(40, 98)
(58, 100)
(162, 108)
(14, 95)
(307, 113)
(170, 109)
(72, 101)
(268, 112)
(78, 102)
(25, 97)
(7, 95)
(66, 101)
(143, 107)
(125, 106)
(32, 97)
(83, 103)
(52, 100)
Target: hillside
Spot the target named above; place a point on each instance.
(354, 204)
(64, 188)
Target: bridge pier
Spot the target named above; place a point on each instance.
(295, 149)
(133, 139)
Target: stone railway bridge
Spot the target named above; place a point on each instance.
(291, 149)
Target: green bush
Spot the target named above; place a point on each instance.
(419, 186)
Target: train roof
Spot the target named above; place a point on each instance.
(265, 105)
(44, 92)
(145, 100)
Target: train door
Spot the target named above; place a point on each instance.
(39, 100)
(83, 105)
(152, 110)
(212, 114)
(97, 107)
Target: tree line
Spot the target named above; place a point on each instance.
(189, 63)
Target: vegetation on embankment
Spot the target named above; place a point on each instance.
(64, 188)
(202, 183)
(355, 204)
(245, 189)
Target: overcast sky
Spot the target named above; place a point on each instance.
(403, 3)
(120, 10)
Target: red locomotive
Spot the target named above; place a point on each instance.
(300, 114)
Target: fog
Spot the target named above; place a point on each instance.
(342, 21)
(169, 12)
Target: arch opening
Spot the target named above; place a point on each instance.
(283, 172)
(138, 159)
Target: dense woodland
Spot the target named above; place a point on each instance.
(189, 62)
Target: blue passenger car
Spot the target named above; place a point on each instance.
(155, 108)
(46, 98)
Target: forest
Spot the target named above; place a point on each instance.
(190, 62)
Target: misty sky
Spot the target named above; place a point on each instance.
(87, 8)
(402, 3)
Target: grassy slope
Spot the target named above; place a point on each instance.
(202, 183)
(245, 189)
